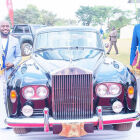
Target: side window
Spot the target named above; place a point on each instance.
(19, 29)
(22, 29)
(26, 29)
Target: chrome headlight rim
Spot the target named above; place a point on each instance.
(27, 110)
(45, 89)
(35, 95)
(108, 93)
(117, 106)
(115, 86)
(26, 94)
(101, 85)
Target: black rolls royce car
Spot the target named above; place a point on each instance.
(70, 87)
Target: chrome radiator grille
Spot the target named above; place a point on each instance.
(72, 96)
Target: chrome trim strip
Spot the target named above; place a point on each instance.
(46, 119)
(67, 71)
(40, 120)
(100, 119)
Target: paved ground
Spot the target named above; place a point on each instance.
(107, 134)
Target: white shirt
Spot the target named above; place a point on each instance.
(4, 42)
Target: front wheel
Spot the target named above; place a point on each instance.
(123, 126)
(26, 49)
(21, 130)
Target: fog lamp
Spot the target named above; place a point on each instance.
(117, 106)
(27, 110)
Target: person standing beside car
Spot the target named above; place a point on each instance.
(101, 32)
(113, 40)
(135, 58)
(10, 56)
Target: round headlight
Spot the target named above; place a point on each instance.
(117, 106)
(27, 110)
(101, 90)
(28, 93)
(114, 89)
(42, 92)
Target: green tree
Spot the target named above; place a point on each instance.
(101, 15)
(29, 15)
(137, 17)
(119, 23)
(96, 15)
(85, 15)
(47, 18)
(65, 22)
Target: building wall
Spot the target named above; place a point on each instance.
(126, 32)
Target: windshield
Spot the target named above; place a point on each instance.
(68, 45)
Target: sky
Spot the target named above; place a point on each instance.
(63, 8)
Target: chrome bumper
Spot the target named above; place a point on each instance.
(39, 121)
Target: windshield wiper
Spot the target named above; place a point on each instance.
(77, 48)
(94, 48)
(69, 48)
(44, 49)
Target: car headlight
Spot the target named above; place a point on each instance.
(101, 90)
(42, 92)
(114, 89)
(28, 93)
(108, 90)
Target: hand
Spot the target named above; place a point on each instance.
(9, 65)
(132, 69)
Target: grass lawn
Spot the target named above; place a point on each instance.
(124, 46)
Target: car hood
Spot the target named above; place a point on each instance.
(52, 66)
(102, 68)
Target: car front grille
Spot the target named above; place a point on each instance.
(38, 112)
(107, 110)
(72, 96)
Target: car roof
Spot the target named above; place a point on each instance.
(67, 28)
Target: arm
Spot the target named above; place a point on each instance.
(17, 54)
(134, 45)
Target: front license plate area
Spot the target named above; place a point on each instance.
(73, 130)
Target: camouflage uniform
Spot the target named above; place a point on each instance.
(113, 41)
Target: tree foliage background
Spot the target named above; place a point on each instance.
(31, 15)
(86, 15)
(101, 15)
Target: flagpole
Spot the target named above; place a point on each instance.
(10, 11)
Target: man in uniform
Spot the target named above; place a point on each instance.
(113, 40)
